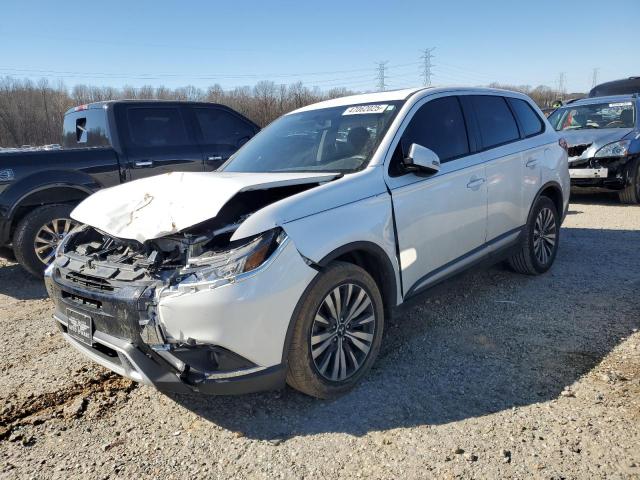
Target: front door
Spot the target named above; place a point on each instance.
(442, 217)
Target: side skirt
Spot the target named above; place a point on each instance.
(491, 252)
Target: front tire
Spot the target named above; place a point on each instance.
(540, 239)
(38, 234)
(631, 193)
(337, 331)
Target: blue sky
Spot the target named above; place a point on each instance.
(321, 43)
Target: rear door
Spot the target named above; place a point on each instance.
(220, 133)
(499, 139)
(158, 141)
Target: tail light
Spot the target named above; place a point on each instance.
(563, 143)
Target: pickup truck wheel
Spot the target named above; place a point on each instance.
(631, 193)
(337, 331)
(540, 239)
(38, 234)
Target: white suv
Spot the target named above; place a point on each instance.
(285, 264)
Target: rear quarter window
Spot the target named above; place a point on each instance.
(530, 122)
(495, 121)
(86, 128)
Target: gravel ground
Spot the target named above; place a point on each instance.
(489, 375)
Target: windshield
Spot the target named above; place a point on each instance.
(339, 139)
(596, 115)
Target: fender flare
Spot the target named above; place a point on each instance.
(47, 180)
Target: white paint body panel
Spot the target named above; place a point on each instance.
(249, 317)
(157, 206)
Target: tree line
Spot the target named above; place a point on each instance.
(31, 112)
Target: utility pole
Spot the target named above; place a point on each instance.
(382, 66)
(426, 57)
(594, 78)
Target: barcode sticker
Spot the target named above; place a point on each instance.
(364, 109)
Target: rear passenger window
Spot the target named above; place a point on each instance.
(156, 127)
(495, 120)
(438, 125)
(529, 120)
(221, 127)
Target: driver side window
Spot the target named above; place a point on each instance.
(438, 125)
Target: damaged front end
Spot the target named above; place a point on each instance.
(108, 290)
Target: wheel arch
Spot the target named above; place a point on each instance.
(367, 255)
(374, 260)
(553, 191)
(49, 194)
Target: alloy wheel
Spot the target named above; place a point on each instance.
(342, 332)
(544, 236)
(49, 236)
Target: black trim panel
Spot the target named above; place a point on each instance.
(416, 287)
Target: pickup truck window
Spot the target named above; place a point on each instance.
(156, 127)
(85, 128)
(221, 127)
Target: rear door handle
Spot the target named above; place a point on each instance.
(475, 183)
(143, 163)
(532, 162)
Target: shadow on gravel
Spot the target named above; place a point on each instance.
(483, 342)
(16, 283)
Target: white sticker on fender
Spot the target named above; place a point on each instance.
(363, 109)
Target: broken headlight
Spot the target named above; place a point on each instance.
(615, 149)
(241, 257)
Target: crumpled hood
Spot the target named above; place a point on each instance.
(599, 137)
(157, 206)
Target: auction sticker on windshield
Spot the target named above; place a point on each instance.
(620, 104)
(362, 109)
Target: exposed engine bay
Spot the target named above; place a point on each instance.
(96, 259)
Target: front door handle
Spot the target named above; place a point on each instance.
(475, 183)
(143, 163)
(532, 162)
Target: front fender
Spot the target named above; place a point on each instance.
(366, 221)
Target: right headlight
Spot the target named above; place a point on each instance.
(615, 149)
(241, 257)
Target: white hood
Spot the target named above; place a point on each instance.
(157, 206)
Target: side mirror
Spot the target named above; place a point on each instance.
(421, 159)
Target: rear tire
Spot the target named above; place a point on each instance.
(631, 193)
(331, 349)
(540, 239)
(34, 224)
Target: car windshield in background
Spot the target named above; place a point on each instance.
(338, 139)
(597, 115)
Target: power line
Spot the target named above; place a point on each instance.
(381, 85)
(427, 65)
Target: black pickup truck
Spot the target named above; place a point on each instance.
(104, 144)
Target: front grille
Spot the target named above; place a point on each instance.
(577, 150)
(90, 282)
